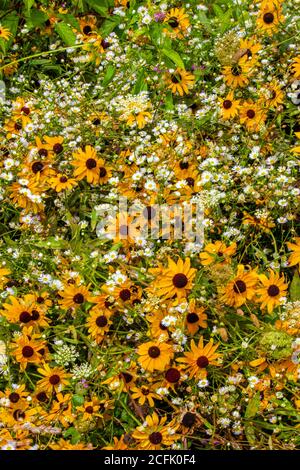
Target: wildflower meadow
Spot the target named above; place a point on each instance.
(149, 225)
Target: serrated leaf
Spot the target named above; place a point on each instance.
(66, 33)
(295, 288)
(253, 406)
(174, 56)
(109, 74)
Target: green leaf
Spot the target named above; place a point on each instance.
(253, 406)
(250, 434)
(169, 100)
(174, 56)
(100, 6)
(75, 435)
(70, 19)
(108, 26)
(295, 288)
(140, 84)
(109, 75)
(35, 18)
(28, 4)
(66, 33)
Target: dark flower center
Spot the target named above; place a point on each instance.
(25, 110)
(268, 18)
(155, 438)
(127, 377)
(125, 294)
(27, 351)
(101, 321)
(14, 397)
(18, 415)
(43, 152)
(273, 290)
(227, 104)
(96, 122)
(78, 299)
(37, 166)
(25, 317)
(172, 375)
(180, 280)
(54, 379)
(63, 179)
(173, 23)
(40, 300)
(174, 79)
(184, 165)
(239, 287)
(89, 409)
(91, 163)
(251, 113)
(103, 172)
(154, 352)
(189, 419)
(192, 317)
(87, 29)
(249, 53)
(42, 397)
(57, 148)
(236, 70)
(35, 315)
(17, 126)
(190, 181)
(202, 362)
(145, 391)
(105, 44)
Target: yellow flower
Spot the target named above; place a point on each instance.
(296, 67)
(154, 355)
(252, 116)
(178, 22)
(144, 394)
(273, 289)
(237, 75)
(176, 279)
(74, 296)
(87, 165)
(229, 106)
(180, 81)
(295, 256)
(269, 17)
(156, 433)
(54, 379)
(195, 318)
(4, 33)
(241, 288)
(214, 251)
(61, 182)
(200, 357)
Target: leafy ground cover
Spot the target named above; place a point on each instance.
(133, 341)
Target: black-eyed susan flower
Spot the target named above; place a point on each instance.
(241, 288)
(61, 182)
(180, 81)
(238, 74)
(178, 22)
(87, 165)
(28, 349)
(98, 323)
(175, 280)
(144, 394)
(269, 17)
(4, 33)
(54, 379)
(156, 434)
(74, 296)
(272, 290)
(229, 107)
(252, 116)
(154, 355)
(199, 358)
(195, 317)
(296, 67)
(218, 251)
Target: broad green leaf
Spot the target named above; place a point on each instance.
(28, 4)
(140, 84)
(78, 400)
(109, 74)
(100, 6)
(66, 33)
(71, 20)
(174, 56)
(35, 18)
(108, 26)
(253, 406)
(75, 435)
(169, 100)
(295, 288)
(250, 434)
